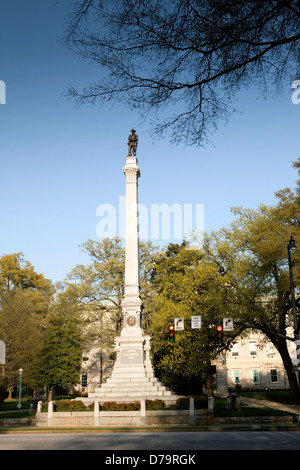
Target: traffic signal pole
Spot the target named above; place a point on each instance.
(255, 327)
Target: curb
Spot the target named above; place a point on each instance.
(211, 428)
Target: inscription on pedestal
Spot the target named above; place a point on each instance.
(131, 356)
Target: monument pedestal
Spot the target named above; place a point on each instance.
(133, 376)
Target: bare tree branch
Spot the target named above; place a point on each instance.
(191, 53)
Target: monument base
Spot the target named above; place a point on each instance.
(133, 377)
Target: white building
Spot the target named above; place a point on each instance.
(253, 363)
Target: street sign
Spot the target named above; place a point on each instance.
(179, 324)
(196, 322)
(2, 352)
(228, 324)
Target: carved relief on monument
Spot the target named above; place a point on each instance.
(131, 321)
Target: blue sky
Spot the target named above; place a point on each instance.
(60, 162)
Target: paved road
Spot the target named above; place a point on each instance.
(172, 441)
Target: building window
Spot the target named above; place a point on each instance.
(273, 376)
(84, 381)
(255, 376)
(235, 350)
(252, 348)
(236, 376)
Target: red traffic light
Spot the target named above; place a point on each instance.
(219, 334)
(171, 333)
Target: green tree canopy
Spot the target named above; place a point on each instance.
(98, 288)
(252, 254)
(62, 346)
(240, 272)
(25, 301)
(188, 284)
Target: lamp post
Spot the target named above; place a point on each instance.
(291, 248)
(20, 388)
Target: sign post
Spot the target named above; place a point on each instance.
(2, 377)
(2, 352)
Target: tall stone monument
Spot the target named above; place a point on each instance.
(132, 377)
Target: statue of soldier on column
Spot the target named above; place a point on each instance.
(132, 143)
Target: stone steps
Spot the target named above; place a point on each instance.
(119, 373)
(133, 380)
(140, 395)
(133, 383)
(168, 399)
(131, 390)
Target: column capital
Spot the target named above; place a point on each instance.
(131, 168)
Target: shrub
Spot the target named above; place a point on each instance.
(181, 404)
(114, 406)
(155, 404)
(200, 402)
(69, 405)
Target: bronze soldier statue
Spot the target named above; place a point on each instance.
(132, 143)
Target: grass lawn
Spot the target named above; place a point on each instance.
(9, 409)
(10, 405)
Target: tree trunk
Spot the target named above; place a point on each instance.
(209, 382)
(50, 395)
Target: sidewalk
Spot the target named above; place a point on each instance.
(270, 404)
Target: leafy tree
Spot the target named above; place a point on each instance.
(99, 289)
(99, 286)
(241, 272)
(252, 253)
(187, 284)
(62, 346)
(195, 54)
(25, 300)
